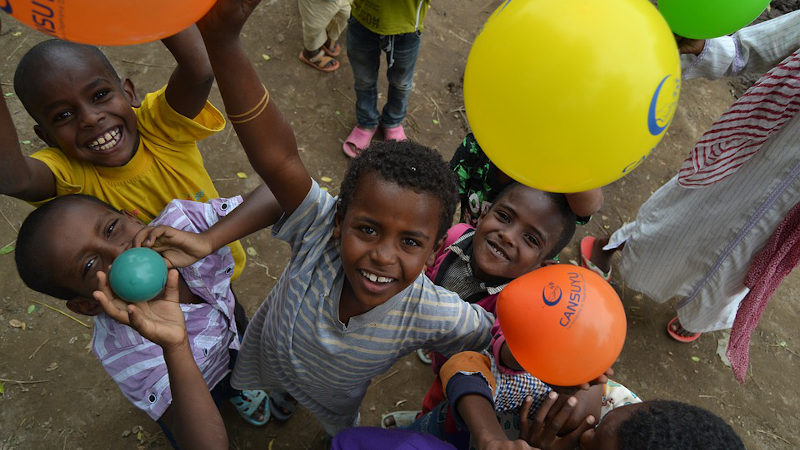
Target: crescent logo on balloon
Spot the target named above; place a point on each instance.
(6, 6)
(658, 119)
(554, 294)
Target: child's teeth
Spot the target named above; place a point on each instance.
(100, 140)
(374, 278)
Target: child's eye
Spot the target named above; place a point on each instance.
(369, 231)
(532, 239)
(88, 267)
(100, 95)
(62, 116)
(503, 217)
(111, 227)
(411, 242)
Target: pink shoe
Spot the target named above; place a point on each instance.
(394, 134)
(358, 141)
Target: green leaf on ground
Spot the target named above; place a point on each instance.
(2, 389)
(435, 122)
(695, 359)
(251, 251)
(26, 142)
(6, 249)
(31, 309)
(266, 57)
(325, 179)
(241, 175)
(8, 94)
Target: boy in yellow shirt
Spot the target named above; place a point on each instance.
(102, 140)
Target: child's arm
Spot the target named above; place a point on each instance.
(192, 416)
(190, 82)
(20, 176)
(584, 204)
(181, 248)
(267, 139)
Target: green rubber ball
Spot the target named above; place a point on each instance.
(138, 275)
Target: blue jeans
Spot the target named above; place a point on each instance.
(433, 423)
(364, 52)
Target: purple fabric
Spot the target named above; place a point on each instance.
(370, 438)
(136, 364)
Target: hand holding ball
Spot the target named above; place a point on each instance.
(138, 275)
(563, 323)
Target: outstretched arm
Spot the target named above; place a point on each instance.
(21, 176)
(191, 81)
(265, 134)
(192, 416)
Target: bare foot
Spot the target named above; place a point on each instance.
(602, 258)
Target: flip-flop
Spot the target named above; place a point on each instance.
(394, 134)
(425, 358)
(586, 255)
(358, 141)
(247, 404)
(279, 402)
(335, 51)
(402, 419)
(319, 61)
(678, 337)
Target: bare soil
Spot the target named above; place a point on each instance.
(58, 396)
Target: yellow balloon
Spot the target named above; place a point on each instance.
(570, 95)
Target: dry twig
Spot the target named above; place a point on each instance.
(62, 312)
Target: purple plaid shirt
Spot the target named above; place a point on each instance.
(136, 364)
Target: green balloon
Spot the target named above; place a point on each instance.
(707, 19)
(138, 275)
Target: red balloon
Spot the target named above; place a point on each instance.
(564, 324)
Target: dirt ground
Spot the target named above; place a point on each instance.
(58, 396)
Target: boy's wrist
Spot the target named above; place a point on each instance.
(177, 348)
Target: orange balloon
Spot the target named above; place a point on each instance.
(564, 324)
(108, 22)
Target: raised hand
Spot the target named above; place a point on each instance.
(160, 321)
(226, 18)
(179, 248)
(543, 433)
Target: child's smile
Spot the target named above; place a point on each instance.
(515, 235)
(387, 235)
(86, 112)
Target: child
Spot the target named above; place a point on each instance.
(625, 422)
(479, 182)
(103, 141)
(323, 23)
(353, 298)
(394, 27)
(523, 230)
(69, 269)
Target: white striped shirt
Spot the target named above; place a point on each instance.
(297, 344)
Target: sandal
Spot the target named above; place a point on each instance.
(335, 51)
(586, 255)
(424, 356)
(394, 134)
(674, 334)
(402, 419)
(358, 141)
(320, 61)
(247, 404)
(280, 402)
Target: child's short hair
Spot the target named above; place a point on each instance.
(670, 425)
(32, 248)
(410, 165)
(29, 68)
(568, 218)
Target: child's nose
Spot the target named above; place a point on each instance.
(382, 255)
(90, 117)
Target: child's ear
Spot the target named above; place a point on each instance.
(436, 249)
(130, 92)
(338, 218)
(84, 306)
(45, 136)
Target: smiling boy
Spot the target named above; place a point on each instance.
(135, 154)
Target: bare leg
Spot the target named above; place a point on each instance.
(602, 258)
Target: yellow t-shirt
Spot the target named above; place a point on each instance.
(167, 165)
